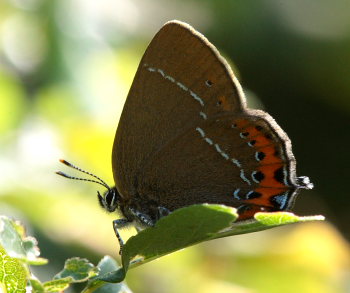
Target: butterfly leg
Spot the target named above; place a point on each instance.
(163, 212)
(142, 218)
(118, 224)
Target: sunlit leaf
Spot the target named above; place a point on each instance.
(191, 225)
(58, 285)
(17, 244)
(12, 274)
(109, 270)
(78, 269)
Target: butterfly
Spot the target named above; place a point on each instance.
(186, 137)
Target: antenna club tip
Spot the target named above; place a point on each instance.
(62, 174)
(65, 162)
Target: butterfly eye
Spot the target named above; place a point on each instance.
(109, 198)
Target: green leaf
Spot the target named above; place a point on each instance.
(283, 218)
(12, 274)
(17, 252)
(191, 225)
(109, 272)
(182, 228)
(17, 244)
(78, 269)
(58, 285)
(263, 221)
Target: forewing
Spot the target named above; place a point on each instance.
(181, 81)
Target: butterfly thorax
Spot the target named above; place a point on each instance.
(133, 208)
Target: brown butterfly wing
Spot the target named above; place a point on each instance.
(185, 135)
(237, 160)
(161, 103)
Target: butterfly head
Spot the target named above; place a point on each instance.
(110, 200)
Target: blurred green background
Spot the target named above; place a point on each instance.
(65, 70)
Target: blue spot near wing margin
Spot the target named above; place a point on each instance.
(280, 201)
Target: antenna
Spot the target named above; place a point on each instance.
(98, 181)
